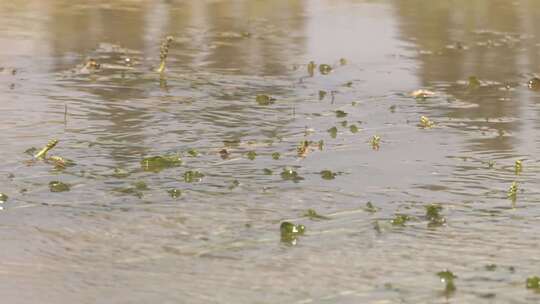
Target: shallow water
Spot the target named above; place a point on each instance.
(108, 240)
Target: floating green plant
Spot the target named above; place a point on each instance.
(333, 132)
(342, 61)
(164, 52)
(158, 163)
(340, 114)
(49, 146)
(491, 164)
(264, 100)
(234, 184)
(3, 198)
(174, 193)
(370, 207)
(267, 171)
(512, 191)
(354, 129)
(533, 283)
(290, 174)
(193, 176)
(534, 83)
(400, 220)
(426, 123)
(311, 68)
(251, 155)
(490, 267)
(473, 82)
(276, 155)
(322, 94)
(56, 186)
(447, 277)
(433, 215)
(344, 123)
(327, 174)
(290, 232)
(375, 142)
(312, 214)
(325, 69)
(193, 152)
(303, 148)
(518, 167)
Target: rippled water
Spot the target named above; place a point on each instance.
(110, 239)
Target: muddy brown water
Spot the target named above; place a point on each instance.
(108, 240)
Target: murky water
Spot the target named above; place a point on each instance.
(118, 236)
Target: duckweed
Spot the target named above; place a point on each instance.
(473, 82)
(174, 193)
(353, 129)
(56, 186)
(341, 114)
(264, 100)
(400, 220)
(327, 174)
(276, 155)
(193, 176)
(325, 69)
(158, 163)
(322, 94)
(251, 155)
(311, 68)
(290, 174)
(533, 283)
(333, 132)
(447, 277)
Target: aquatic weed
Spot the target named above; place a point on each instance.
(433, 215)
(375, 142)
(325, 69)
(290, 174)
(290, 232)
(49, 146)
(425, 123)
(56, 186)
(518, 167)
(533, 283)
(193, 176)
(251, 155)
(447, 277)
(264, 100)
(158, 163)
(327, 174)
(164, 53)
(174, 193)
(276, 155)
(312, 214)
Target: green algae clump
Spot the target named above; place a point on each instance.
(533, 283)
(193, 176)
(328, 175)
(174, 193)
(3, 198)
(264, 100)
(433, 215)
(400, 220)
(290, 174)
(447, 277)
(56, 186)
(158, 163)
(290, 232)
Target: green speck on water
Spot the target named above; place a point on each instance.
(3, 198)
(534, 83)
(433, 215)
(264, 100)
(311, 68)
(234, 184)
(174, 193)
(251, 155)
(193, 176)
(193, 152)
(290, 232)
(312, 214)
(333, 132)
(340, 114)
(344, 123)
(120, 173)
(447, 277)
(491, 267)
(353, 128)
(158, 163)
(342, 61)
(322, 94)
(473, 82)
(140, 185)
(267, 171)
(518, 167)
(533, 283)
(276, 155)
(56, 186)
(400, 220)
(325, 69)
(320, 144)
(370, 207)
(327, 174)
(290, 174)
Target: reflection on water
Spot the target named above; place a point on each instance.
(118, 236)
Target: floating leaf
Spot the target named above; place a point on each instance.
(422, 94)
(375, 142)
(290, 174)
(534, 83)
(327, 174)
(533, 283)
(353, 128)
(158, 163)
(518, 167)
(193, 176)
(400, 220)
(193, 152)
(426, 123)
(311, 68)
(264, 100)
(174, 193)
(340, 114)
(333, 132)
(312, 214)
(276, 155)
(43, 152)
(433, 215)
(290, 232)
(344, 123)
(325, 69)
(56, 186)
(251, 155)
(447, 277)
